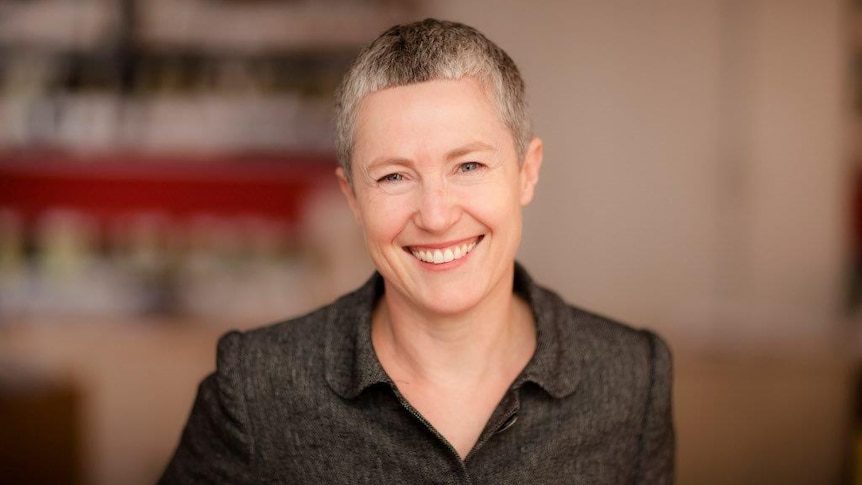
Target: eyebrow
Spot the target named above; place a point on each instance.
(476, 146)
(473, 147)
(385, 162)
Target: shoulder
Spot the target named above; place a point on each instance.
(575, 342)
(252, 365)
(291, 334)
(598, 348)
(298, 343)
(626, 375)
(604, 337)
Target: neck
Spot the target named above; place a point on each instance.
(497, 336)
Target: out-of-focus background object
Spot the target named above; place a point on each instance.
(166, 174)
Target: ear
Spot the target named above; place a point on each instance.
(530, 170)
(347, 190)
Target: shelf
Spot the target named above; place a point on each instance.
(216, 26)
(111, 185)
(182, 75)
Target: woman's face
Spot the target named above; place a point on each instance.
(438, 191)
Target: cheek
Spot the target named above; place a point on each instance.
(493, 204)
(383, 218)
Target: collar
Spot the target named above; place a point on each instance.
(352, 365)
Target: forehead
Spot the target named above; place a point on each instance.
(433, 115)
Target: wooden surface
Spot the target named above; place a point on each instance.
(742, 418)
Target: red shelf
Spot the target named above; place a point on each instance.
(107, 186)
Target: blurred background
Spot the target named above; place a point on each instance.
(166, 175)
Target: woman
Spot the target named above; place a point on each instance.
(450, 365)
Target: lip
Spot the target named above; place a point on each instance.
(443, 245)
(451, 264)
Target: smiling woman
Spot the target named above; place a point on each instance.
(450, 365)
(412, 195)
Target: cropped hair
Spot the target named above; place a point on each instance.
(424, 51)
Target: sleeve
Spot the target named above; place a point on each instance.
(658, 441)
(216, 445)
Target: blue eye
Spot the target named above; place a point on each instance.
(392, 177)
(469, 166)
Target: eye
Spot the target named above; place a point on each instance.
(392, 177)
(469, 166)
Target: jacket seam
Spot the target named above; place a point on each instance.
(246, 389)
(647, 407)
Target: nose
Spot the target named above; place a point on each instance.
(437, 208)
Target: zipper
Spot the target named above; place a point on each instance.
(415, 413)
(505, 421)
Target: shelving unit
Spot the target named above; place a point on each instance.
(157, 155)
(113, 186)
(166, 173)
(178, 75)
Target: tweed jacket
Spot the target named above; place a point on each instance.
(307, 401)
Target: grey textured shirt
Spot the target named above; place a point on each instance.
(307, 401)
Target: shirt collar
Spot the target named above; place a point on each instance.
(352, 365)
(556, 365)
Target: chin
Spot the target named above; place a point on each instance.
(450, 301)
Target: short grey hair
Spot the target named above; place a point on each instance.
(425, 51)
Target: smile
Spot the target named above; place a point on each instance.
(444, 255)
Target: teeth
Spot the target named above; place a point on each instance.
(439, 256)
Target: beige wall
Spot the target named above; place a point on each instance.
(693, 172)
(695, 182)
